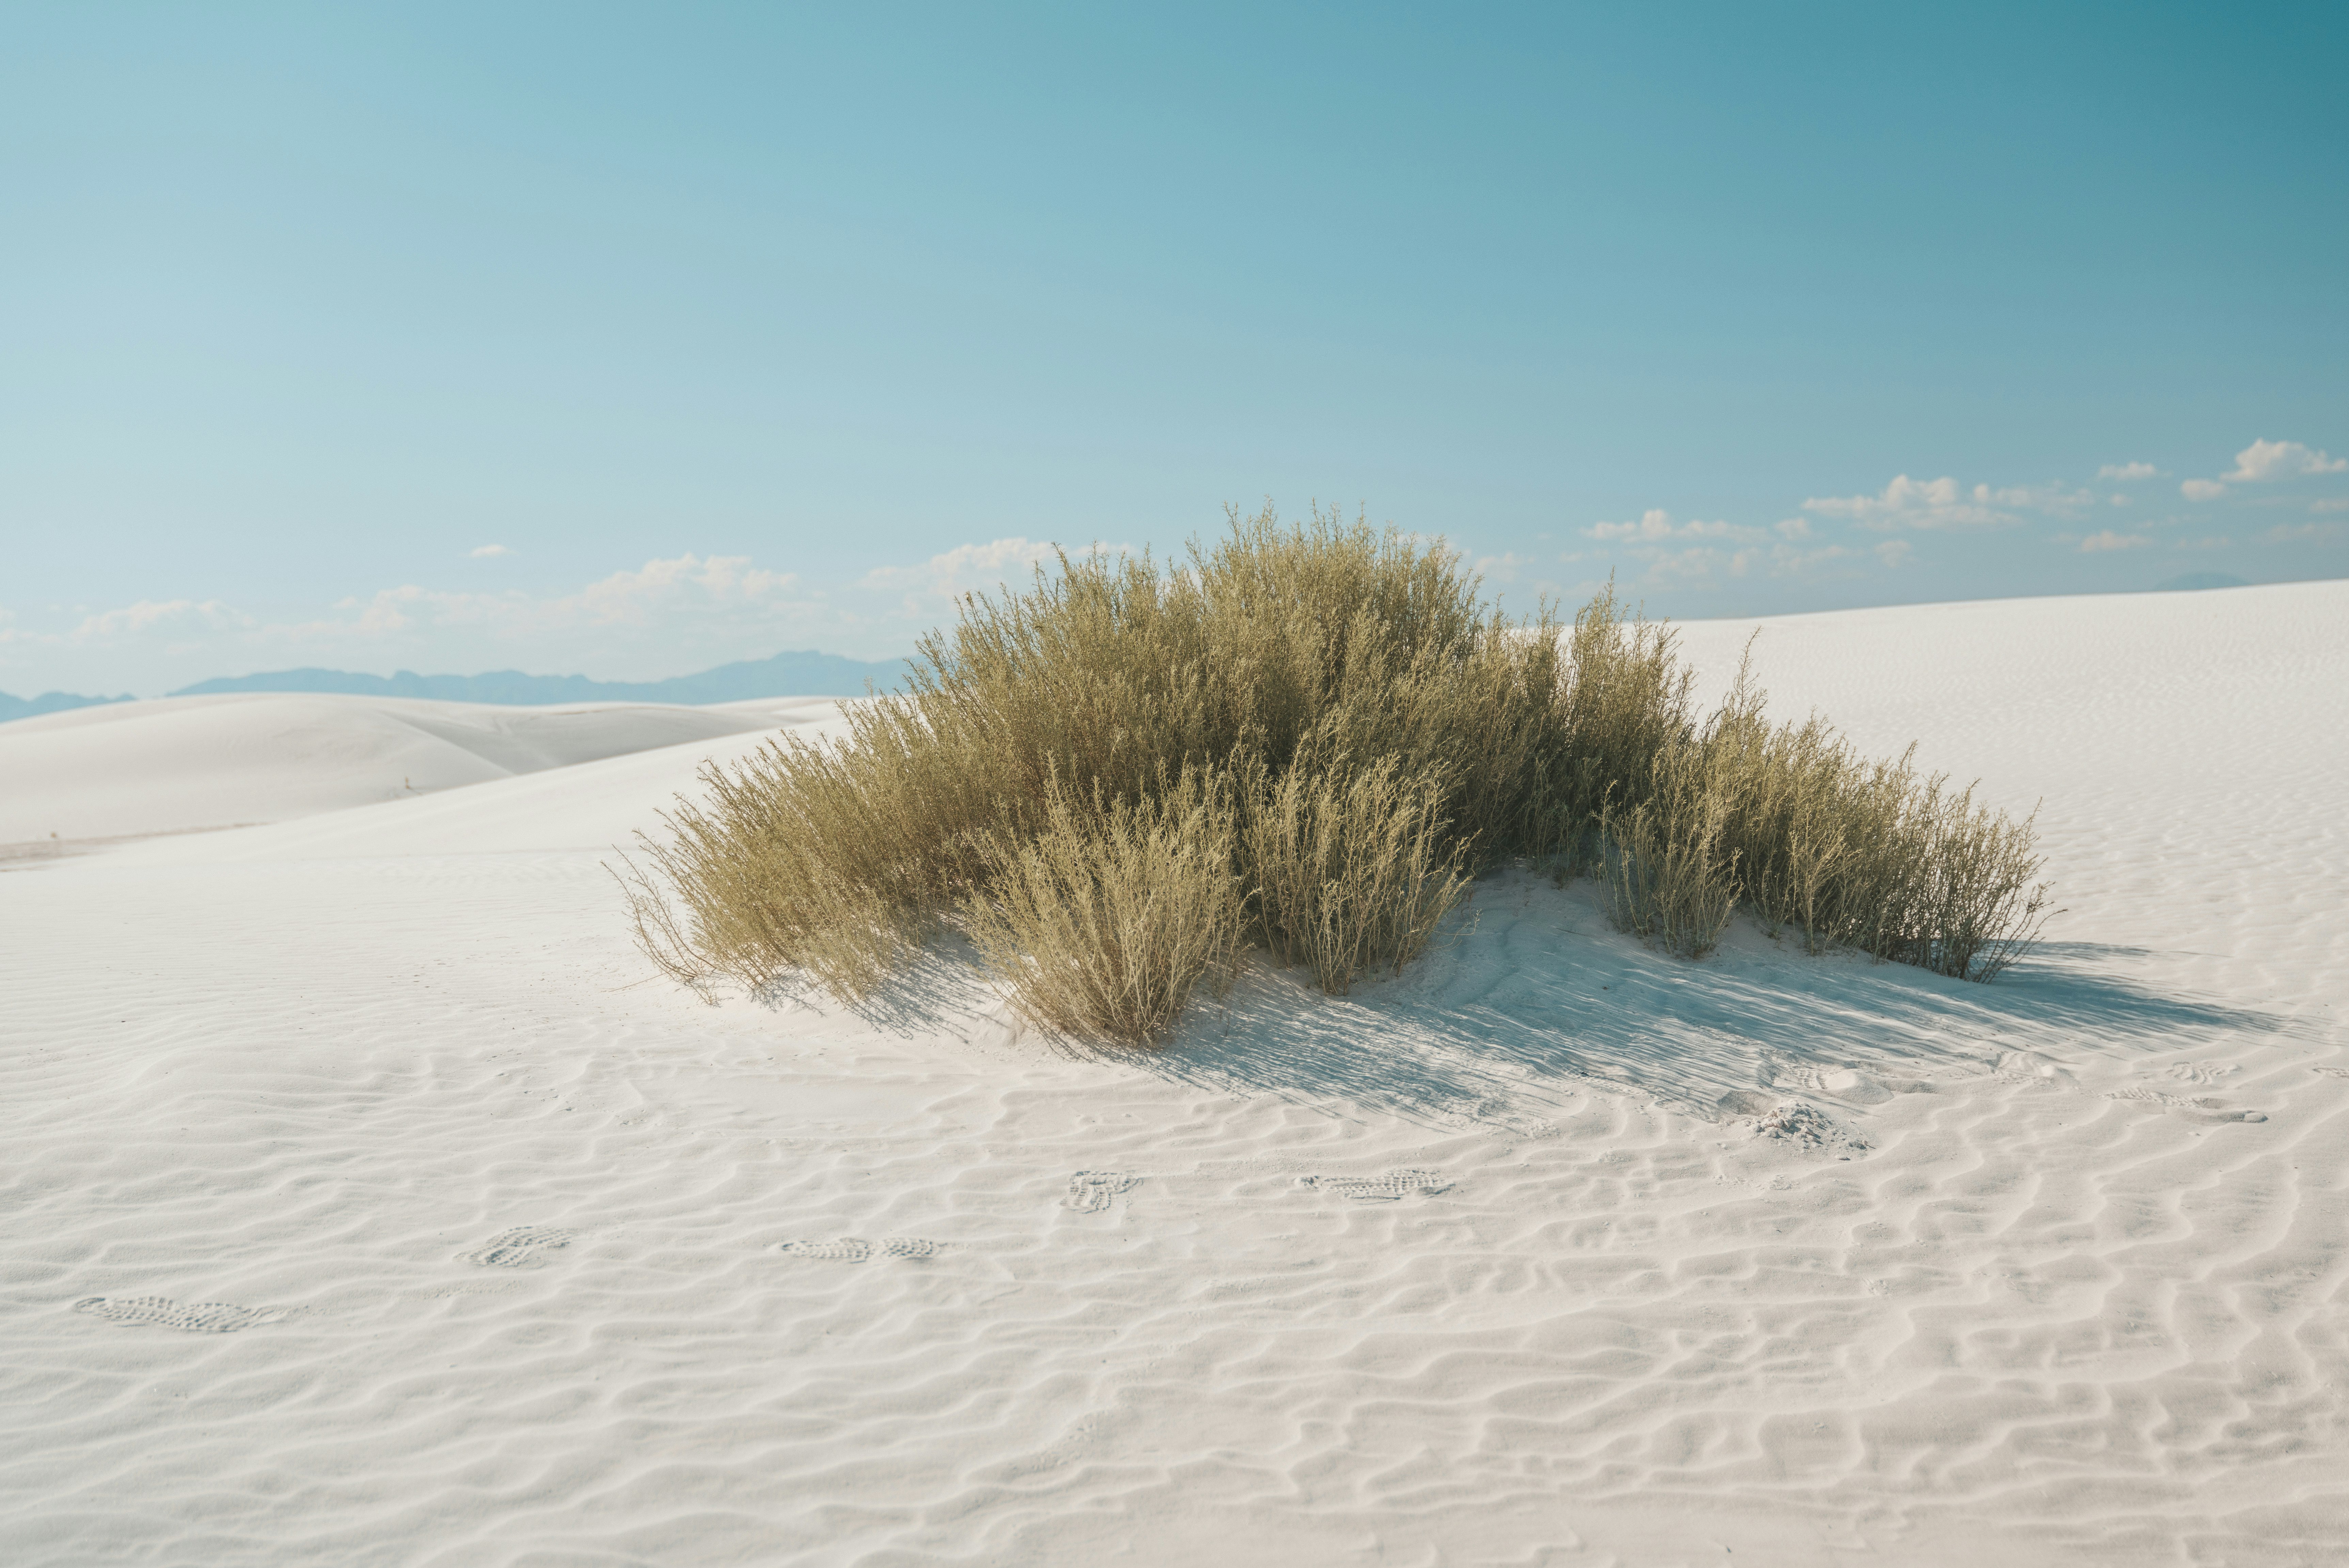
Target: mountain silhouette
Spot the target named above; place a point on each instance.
(803, 674)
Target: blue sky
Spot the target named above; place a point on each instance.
(629, 340)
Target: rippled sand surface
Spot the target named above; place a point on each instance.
(362, 1201)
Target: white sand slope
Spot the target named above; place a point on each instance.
(361, 1207)
(190, 763)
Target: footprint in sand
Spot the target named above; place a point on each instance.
(2336, 1072)
(2205, 1109)
(1091, 1191)
(856, 1249)
(1854, 1086)
(2029, 1069)
(1494, 1111)
(1382, 1189)
(191, 1317)
(518, 1249)
(1851, 1085)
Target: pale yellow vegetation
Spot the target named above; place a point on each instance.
(1307, 741)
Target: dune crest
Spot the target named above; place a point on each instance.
(186, 764)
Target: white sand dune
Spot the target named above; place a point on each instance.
(186, 764)
(365, 1203)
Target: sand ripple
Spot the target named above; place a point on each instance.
(1555, 1252)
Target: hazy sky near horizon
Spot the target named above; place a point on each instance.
(630, 340)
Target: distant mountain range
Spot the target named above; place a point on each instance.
(809, 673)
(49, 702)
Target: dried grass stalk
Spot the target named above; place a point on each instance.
(1667, 873)
(1812, 835)
(1103, 922)
(1352, 870)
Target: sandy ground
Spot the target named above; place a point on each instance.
(96, 777)
(362, 1201)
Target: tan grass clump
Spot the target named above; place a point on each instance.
(1665, 871)
(1353, 868)
(1793, 823)
(1310, 739)
(1104, 922)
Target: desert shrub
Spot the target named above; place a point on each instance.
(1625, 703)
(1310, 739)
(802, 857)
(1103, 922)
(1665, 871)
(1346, 659)
(1353, 868)
(1795, 824)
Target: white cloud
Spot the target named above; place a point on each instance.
(2291, 533)
(1908, 503)
(150, 622)
(633, 597)
(1700, 564)
(1655, 527)
(2282, 461)
(2108, 540)
(1696, 554)
(2062, 501)
(1787, 562)
(2201, 490)
(1912, 503)
(2331, 503)
(659, 590)
(2126, 471)
(669, 613)
(385, 612)
(964, 568)
(9, 633)
(168, 616)
(972, 568)
(483, 551)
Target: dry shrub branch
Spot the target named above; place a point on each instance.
(1309, 739)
